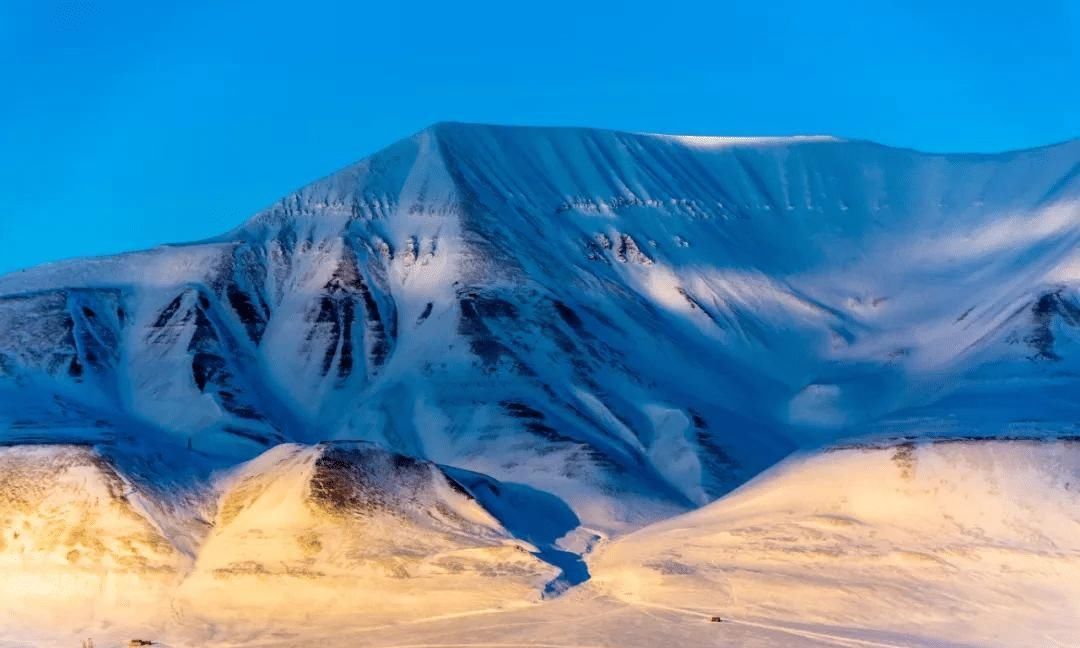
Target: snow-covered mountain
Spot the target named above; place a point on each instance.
(568, 333)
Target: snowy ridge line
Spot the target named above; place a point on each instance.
(894, 441)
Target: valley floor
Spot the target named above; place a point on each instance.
(585, 618)
(591, 620)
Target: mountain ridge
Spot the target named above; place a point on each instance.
(748, 141)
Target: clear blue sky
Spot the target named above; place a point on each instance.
(124, 125)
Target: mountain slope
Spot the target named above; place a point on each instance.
(947, 540)
(592, 328)
(652, 319)
(333, 533)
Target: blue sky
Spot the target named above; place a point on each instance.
(124, 124)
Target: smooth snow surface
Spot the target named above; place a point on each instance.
(445, 377)
(972, 541)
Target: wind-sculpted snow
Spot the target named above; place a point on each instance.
(625, 325)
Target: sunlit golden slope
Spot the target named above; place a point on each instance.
(964, 541)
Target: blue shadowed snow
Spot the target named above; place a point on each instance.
(534, 516)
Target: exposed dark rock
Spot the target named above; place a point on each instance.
(1044, 311)
(425, 314)
(568, 315)
(253, 319)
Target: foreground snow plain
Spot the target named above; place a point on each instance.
(511, 386)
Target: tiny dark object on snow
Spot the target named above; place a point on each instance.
(135, 643)
(716, 620)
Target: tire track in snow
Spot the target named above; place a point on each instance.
(806, 634)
